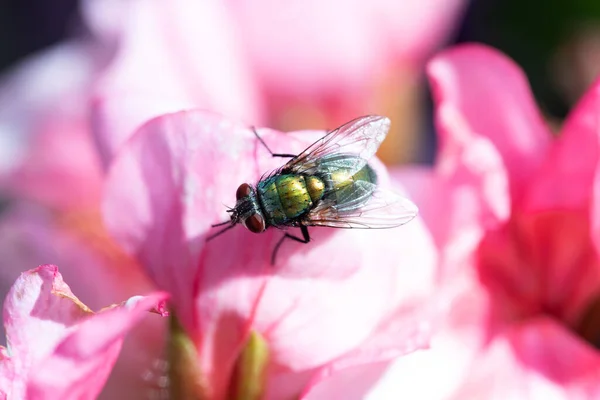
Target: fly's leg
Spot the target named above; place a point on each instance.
(268, 149)
(305, 239)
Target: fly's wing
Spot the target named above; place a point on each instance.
(372, 207)
(360, 137)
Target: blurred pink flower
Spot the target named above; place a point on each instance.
(169, 56)
(332, 55)
(509, 207)
(52, 175)
(57, 347)
(294, 64)
(324, 308)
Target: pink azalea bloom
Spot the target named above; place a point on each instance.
(57, 347)
(325, 307)
(510, 208)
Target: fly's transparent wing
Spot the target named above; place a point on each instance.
(360, 137)
(370, 207)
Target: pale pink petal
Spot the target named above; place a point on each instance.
(44, 133)
(565, 179)
(353, 383)
(459, 332)
(300, 60)
(492, 96)
(171, 181)
(61, 154)
(404, 331)
(540, 359)
(472, 180)
(416, 28)
(354, 305)
(84, 358)
(39, 301)
(7, 375)
(45, 84)
(171, 56)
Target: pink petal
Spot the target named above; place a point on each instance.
(286, 63)
(61, 155)
(400, 333)
(39, 301)
(535, 360)
(463, 326)
(491, 94)
(45, 135)
(565, 179)
(85, 357)
(172, 56)
(7, 375)
(471, 179)
(351, 383)
(169, 184)
(94, 268)
(90, 262)
(416, 28)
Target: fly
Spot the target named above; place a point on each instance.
(329, 184)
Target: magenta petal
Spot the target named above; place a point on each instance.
(565, 179)
(84, 358)
(492, 95)
(472, 180)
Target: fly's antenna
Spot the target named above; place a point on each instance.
(214, 235)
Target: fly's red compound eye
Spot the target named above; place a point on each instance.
(243, 191)
(255, 223)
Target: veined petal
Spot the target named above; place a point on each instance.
(82, 345)
(84, 358)
(492, 96)
(166, 188)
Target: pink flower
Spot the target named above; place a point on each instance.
(170, 56)
(333, 55)
(57, 347)
(293, 64)
(324, 307)
(45, 137)
(53, 176)
(510, 208)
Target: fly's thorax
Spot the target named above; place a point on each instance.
(289, 196)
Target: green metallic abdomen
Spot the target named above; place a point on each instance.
(285, 197)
